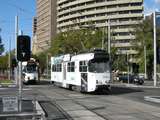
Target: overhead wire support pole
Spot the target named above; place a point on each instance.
(128, 68)
(109, 48)
(145, 62)
(155, 47)
(109, 37)
(102, 38)
(9, 59)
(16, 35)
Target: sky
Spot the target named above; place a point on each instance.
(151, 5)
(26, 10)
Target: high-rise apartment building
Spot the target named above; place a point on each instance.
(46, 25)
(122, 14)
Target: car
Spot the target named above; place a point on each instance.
(135, 79)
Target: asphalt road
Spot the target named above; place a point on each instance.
(122, 103)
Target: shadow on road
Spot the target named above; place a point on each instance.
(124, 90)
(39, 83)
(115, 90)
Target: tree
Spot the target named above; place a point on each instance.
(4, 62)
(144, 37)
(4, 59)
(1, 46)
(41, 58)
(74, 41)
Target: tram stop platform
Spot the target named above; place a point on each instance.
(13, 109)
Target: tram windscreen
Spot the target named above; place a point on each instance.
(98, 67)
(31, 68)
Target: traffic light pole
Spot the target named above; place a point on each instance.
(20, 86)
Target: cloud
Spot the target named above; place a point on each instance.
(151, 6)
(148, 9)
(157, 1)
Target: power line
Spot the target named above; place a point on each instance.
(19, 8)
(12, 21)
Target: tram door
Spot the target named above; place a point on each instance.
(84, 75)
(84, 84)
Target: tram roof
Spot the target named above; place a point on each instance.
(81, 57)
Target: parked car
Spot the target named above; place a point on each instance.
(135, 79)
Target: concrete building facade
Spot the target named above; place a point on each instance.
(121, 15)
(45, 26)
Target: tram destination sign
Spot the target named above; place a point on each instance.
(10, 104)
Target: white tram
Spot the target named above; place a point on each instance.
(87, 71)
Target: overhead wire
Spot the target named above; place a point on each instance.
(18, 7)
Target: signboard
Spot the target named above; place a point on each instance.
(10, 104)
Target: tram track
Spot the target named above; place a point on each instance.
(74, 100)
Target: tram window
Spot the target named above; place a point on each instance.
(68, 67)
(53, 68)
(71, 67)
(57, 68)
(83, 66)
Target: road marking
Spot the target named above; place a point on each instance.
(26, 89)
(155, 99)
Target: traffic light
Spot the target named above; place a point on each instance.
(23, 48)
